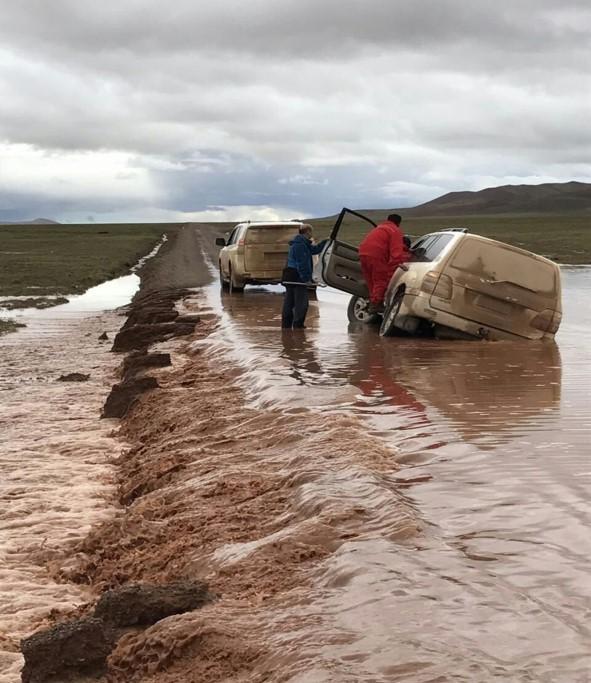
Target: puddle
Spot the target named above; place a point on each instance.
(494, 441)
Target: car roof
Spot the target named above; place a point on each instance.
(463, 232)
(261, 224)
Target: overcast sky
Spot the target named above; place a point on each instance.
(230, 109)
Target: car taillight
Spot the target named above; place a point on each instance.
(437, 284)
(444, 287)
(547, 321)
(429, 282)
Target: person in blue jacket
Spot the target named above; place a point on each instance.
(298, 270)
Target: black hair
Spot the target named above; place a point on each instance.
(395, 218)
(407, 241)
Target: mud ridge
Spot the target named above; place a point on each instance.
(214, 490)
(247, 501)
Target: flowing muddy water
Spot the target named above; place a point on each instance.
(493, 439)
(55, 454)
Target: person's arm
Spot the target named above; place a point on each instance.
(302, 258)
(396, 248)
(317, 248)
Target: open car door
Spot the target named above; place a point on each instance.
(340, 265)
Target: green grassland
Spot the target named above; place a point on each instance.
(68, 259)
(565, 238)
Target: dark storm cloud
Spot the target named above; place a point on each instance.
(292, 27)
(302, 105)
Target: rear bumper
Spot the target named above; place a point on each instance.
(417, 306)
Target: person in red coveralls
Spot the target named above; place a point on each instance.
(380, 253)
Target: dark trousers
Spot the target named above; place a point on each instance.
(295, 306)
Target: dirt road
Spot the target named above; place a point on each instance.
(180, 263)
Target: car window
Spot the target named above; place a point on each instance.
(436, 245)
(433, 245)
(233, 236)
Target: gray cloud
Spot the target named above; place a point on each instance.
(374, 102)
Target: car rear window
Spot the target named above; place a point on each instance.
(271, 234)
(501, 263)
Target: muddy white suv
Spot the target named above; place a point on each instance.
(458, 285)
(255, 253)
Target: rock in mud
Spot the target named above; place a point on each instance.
(73, 377)
(140, 360)
(124, 395)
(142, 605)
(191, 319)
(77, 646)
(151, 315)
(104, 337)
(139, 337)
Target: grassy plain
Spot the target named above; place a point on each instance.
(68, 259)
(565, 238)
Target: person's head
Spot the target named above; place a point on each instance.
(306, 231)
(407, 241)
(395, 218)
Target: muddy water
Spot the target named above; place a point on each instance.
(55, 455)
(493, 439)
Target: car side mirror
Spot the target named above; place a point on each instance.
(220, 242)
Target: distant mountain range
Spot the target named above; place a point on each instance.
(545, 198)
(35, 221)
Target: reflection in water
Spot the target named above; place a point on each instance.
(481, 389)
(496, 435)
(300, 353)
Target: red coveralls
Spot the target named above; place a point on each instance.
(380, 253)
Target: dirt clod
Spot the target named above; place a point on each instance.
(140, 360)
(124, 395)
(142, 604)
(78, 646)
(73, 377)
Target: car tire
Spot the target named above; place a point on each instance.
(357, 311)
(388, 327)
(233, 287)
(224, 284)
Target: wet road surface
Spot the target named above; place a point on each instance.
(494, 442)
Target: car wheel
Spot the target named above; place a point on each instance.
(358, 312)
(233, 287)
(388, 328)
(224, 284)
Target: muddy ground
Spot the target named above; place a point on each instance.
(213, 490)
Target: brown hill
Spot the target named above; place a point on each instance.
(545, 198)
(35, 221)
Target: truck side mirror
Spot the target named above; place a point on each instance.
(220, 242)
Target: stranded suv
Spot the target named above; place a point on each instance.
(456, 285)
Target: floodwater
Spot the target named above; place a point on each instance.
(55, 454)
(485, 579)
(493, 443)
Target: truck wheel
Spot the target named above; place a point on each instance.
(358, 312)
(233, 287)
(224, 284)
(388, 328)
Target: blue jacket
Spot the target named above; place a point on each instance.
(300, 255)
